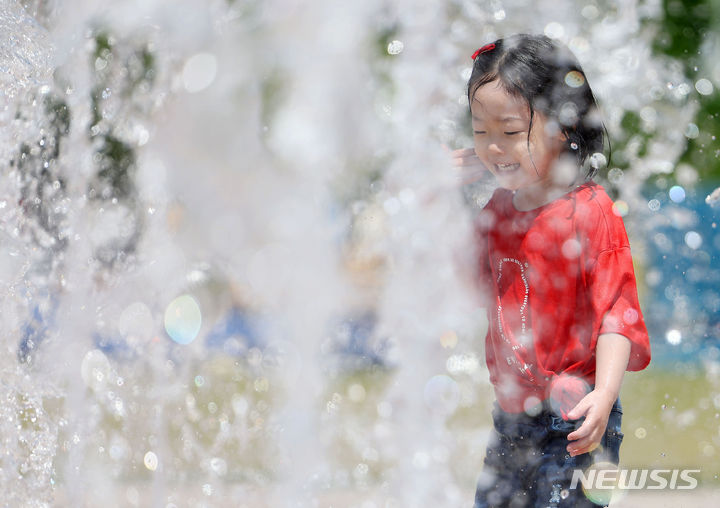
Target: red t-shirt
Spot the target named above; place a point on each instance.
(554, 279)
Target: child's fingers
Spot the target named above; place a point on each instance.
(465, 157)
(584, 446)
(580, 409)
(582, 432)
(586, 438)
(468, 166)
(468, 162)
(463, 152)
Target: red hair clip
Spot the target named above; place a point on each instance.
(484, 49)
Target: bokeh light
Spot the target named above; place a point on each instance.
(673, 337)
(442, 394)
(183, 319)
(136, 319)
(677, 194)
(395, 47)
(554, 30)
(574, 79)
(151, 461)
(566, 391)
(199, 72)
(704, 86)
(603, 491)
(620, 208)
(693, 239)
(95, 369)
(532, 406)
(692, 131)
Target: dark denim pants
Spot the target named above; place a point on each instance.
(527, 464)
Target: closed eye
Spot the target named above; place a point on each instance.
(512, 133)
(479, 132)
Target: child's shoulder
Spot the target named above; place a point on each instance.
(593, 194)
(592, 200)
(599, 217)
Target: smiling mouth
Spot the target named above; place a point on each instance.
(507, 167)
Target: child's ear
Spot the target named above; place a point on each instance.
(561, 138)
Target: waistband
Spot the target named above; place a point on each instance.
(537, 425)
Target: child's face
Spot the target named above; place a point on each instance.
(500, 131)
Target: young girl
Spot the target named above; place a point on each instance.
(556, 274)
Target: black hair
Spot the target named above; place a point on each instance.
(548, 76)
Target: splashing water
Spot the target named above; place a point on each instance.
(196, 192)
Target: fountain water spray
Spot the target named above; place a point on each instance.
(197, 191)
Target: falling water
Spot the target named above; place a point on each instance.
(206, 204)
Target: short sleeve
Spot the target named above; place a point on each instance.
(615, 303)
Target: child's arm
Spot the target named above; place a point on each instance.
(611, 355)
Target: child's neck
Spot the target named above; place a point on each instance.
(540, 194)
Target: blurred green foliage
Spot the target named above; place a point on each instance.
(124, 74)
(685, 27)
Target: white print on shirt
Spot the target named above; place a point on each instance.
(507, 335)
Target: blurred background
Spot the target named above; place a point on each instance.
(236, 260)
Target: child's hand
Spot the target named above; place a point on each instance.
(595, 407)
(468, 166)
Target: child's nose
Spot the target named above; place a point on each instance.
(494, 148)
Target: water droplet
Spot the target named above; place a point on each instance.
(713, 199)
(151, 461)
(704, 86)
(384, 409)
(673, 337)
(395, 47)
(590, 12)
(654, 205)
(554, 30)
(218, 466)
(356, 392)
(598, 160)
(677, 194)
(682, 90)
(693, 240)
(571, 249)
(183, 319)
(574, 79)
(136, 319)
(640, 433)
(620, 208)
(261, 384)
(631, 316)
(532, 406)
(692, 131)
(199, 72)
(499, 15)
(615, 175)
(95, 369)
(449, 339)
(442, 394)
